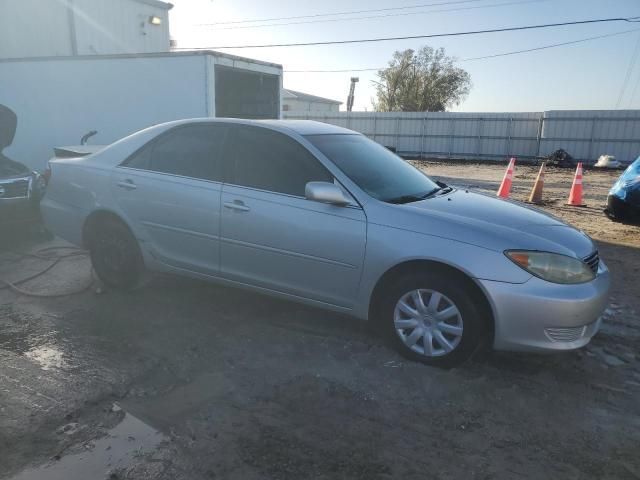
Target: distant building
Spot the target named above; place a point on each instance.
(293, 101)
(48, 28)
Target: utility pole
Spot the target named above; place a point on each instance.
(352, 90)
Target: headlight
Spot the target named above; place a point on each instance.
(552, 266)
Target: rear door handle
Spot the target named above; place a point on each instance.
(237, 205)
(127, 184)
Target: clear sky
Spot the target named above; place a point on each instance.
(589, 75)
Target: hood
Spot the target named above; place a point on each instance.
(490, 223)
(478, 208)
(10, 168)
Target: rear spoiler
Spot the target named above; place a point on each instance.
(76, 151)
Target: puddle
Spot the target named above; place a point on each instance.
(44, 351)
(19, 334)
(46, 357)
(128, 440)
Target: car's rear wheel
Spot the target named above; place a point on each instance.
(115, 255)
(432, 319)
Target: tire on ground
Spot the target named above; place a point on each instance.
(473, 316)
(115, 254)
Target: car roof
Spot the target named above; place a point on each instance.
(307, 127)
(302, 127)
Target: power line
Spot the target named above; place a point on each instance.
(553, 45)
(630, 67)
(504, 54)
(387, 15)
(350, 12)
(414, 37)
(633, 94)
(337, 71)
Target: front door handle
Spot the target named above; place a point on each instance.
(127, 184)
(237, 205)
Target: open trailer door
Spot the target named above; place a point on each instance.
(246, 93)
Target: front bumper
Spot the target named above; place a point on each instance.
(541, 316)
(20, 199)
(623, 209)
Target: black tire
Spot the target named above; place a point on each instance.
(115, 254)
(473, 318)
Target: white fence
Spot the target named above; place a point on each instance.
(585, 134)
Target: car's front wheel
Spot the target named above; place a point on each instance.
(115, 255)
(432, 319)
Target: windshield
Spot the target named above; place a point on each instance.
(372, 167)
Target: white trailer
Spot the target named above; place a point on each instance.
(59, 99)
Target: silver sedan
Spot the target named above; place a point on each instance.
(322, 215)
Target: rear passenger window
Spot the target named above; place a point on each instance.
(191, 151)
(141, 159)
(272, 161)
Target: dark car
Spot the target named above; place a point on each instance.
(623, 203)
(21, 189)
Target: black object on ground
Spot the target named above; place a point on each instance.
(560, 158)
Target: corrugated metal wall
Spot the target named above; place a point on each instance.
(590, 133)
(297, 105)
(584, 134)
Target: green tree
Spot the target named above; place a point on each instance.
(422, 81)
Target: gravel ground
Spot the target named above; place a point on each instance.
(185, 380)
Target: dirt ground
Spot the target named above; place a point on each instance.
(185, 380)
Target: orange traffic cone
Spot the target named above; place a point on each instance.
(505, 186)
(575, 195)
(536, 192)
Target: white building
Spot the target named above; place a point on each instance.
(48, 28)
(71, 66)
(293, 101)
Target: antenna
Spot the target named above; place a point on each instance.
(352, 90)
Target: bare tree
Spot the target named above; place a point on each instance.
(422, 81)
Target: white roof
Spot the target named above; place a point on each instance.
(293, 94)
(156, 3)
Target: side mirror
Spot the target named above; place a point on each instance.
(325, 192)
